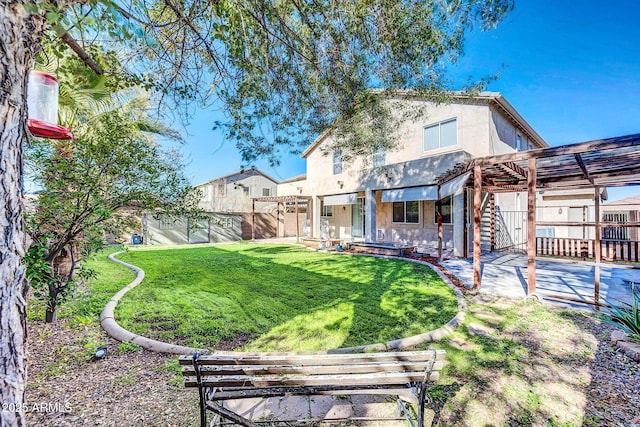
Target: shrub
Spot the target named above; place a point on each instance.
(625, 316)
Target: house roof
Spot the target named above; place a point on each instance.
(237, 176)
(627, 201)
(612, 162)
(296, 178)
(493, 98)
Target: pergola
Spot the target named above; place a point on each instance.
(612, 162)
(278, 200)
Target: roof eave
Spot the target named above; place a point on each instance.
(515, 116)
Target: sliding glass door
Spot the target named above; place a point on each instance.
(357, 218)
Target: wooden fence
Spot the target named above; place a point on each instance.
(612, 250)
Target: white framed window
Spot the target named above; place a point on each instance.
(325, 210)
(205, 191)
(446, 210)
(441, 135)
(266, 192)
(166, 223)
(221, 189)
(337, 162)
(379, 158)
(406, 212)
(290, 207)
(225, 222)
(519, 146)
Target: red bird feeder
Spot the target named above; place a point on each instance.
(42, 103)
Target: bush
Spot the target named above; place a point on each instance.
(625, 316)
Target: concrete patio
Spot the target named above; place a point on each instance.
(505, 274)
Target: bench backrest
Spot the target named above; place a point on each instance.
(261, 370)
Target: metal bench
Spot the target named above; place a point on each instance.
(227, 376)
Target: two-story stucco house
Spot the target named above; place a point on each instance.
(228, 202)
(235, 192)
(392, 197)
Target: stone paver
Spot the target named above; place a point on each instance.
(364, 410)
(290, 408)
(630, 348)
(339, 411)
(254, 409)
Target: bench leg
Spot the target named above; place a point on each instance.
(230, 415)
(201, 391)
(421, 397)
(403, 410)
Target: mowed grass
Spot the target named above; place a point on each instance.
(280, 298)
(530, 366)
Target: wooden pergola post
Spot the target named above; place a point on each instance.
(277, 219)
(253, 220)
(439, 219)
(297, 223)
(598, 250)
(477, 202)
(531, 226)
(492, 201)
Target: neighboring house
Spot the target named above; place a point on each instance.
(235, 192)
(569, 206)
(228, 202)
(392, 197)
(621, 212)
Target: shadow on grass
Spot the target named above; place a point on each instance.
(287, 297)
(517, 364)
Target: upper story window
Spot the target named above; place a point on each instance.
(407, 212)
(519, 146)
(446, 210)
(266, 192)
(221, 189)
(379, 158)
(441, 135)
(205, 191)
(337, 162)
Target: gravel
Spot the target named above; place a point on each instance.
(614, 392)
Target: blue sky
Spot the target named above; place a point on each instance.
(571, 68)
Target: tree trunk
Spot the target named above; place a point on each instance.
(21, 35)
(51, 315)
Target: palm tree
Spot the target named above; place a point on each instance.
(72, 210)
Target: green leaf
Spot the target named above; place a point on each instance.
(52, 17)
(31, 8)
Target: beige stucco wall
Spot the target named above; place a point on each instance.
(236, 198)
(424, 234)
(566, 206)
(482, 130)
(294, 188)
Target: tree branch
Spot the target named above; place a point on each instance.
(70, 41)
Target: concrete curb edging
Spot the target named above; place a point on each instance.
(111, 327)
(414, 340)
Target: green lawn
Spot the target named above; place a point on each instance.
(276, 297)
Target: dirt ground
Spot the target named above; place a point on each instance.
(131, 387)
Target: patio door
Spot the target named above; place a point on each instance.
(357, 218)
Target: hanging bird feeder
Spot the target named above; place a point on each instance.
(42, 103)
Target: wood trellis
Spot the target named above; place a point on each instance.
(612, 162)
(278, 200)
